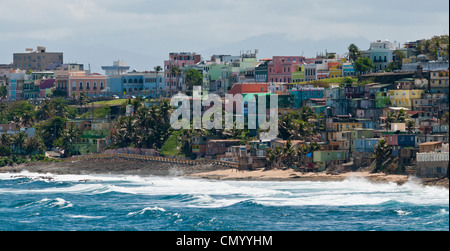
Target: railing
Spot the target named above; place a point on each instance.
(152, 158)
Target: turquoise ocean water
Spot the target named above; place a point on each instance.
(30, 201)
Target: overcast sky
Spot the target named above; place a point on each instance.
(155, 28)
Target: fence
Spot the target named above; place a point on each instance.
(430, 157)
(152, 158)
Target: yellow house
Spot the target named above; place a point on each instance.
(335, 69)
(404, 98)
(343, 126)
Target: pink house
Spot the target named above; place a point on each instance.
(90, 85)
(281, 68)
(179, 60)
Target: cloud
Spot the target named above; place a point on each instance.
(159, 27)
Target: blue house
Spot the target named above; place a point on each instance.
(304, 93)
(136, 83)
(365, 145)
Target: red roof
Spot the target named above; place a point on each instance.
(248, 88)
(412, 113)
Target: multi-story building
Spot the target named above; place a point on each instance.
(381, 53)
(303, 93)
(137, 83)
(173, 82)
(299, 74)
(91, 84)
(439, 81)
(404, 98)
(38, 60)
(336, 69)
(282, 67)
(118, 68)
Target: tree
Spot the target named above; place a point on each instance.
(50, 130)
(363, 65)
(193, 78)
(3, 108)
(410, 126)
(176, 72)
(389, 120)
(83, 100)
(382, 152)
(35, 144)
(401, 116)
(353, 52)
(68, 139)
(3, 92)
(18, 141)
(397, 63)
(296, 125)
(157, 70)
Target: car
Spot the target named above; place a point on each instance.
(115, 97)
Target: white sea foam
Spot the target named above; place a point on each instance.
(210, 193)
(85, 217)
(155, 208)
(58, 202)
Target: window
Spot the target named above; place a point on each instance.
(81, 85)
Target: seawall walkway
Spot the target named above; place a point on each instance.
(153, 159)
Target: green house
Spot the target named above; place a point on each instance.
(324, 158)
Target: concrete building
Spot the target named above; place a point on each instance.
(281, 68)
(173, 82)
(381, 53)
(136, 83)
(118, 68)
(91, 84)
(38, 60)
(434, 163)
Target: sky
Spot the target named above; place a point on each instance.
(144, 32)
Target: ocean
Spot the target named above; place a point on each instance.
(35, 202)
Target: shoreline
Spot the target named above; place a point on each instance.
(143, 168)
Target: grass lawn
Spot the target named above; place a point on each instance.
(111, 102)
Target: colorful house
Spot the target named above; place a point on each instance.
(324, 158)
(336, 69)
(404, 98)
(365, 145)
(303, 93)
(282, 67)
(91, 85)
(343, 126)
(299, 74)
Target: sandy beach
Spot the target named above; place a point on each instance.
(145, 168)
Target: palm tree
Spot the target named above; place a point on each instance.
(391, 118)
(353, 52)
(6, 140)
(68, 138)
(3, 108)
(402, 116)
(83, 100)
(410, 126)
(382, 152)
(157, 70)
(175, 71)
(35, 143)
(273, 156)
(18, 141)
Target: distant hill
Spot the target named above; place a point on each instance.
(278, 44)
